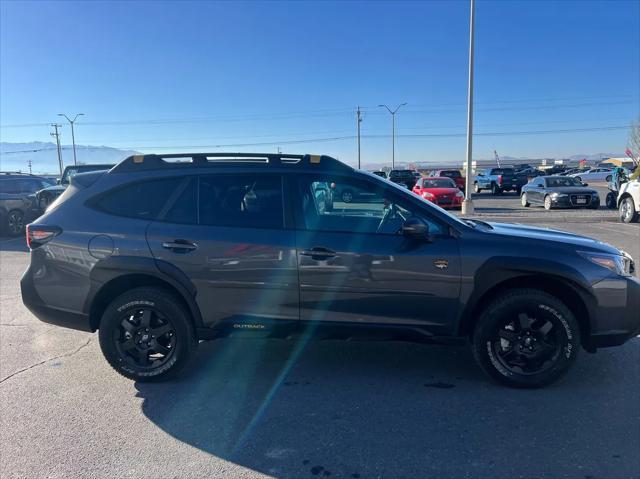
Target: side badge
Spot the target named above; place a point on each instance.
(440, 263)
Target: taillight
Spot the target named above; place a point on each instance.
(38, 235)
(499, 179)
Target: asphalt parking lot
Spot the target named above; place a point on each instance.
(278, 408)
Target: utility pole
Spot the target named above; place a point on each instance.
(393, 132)
(29, 165)
(57, 136)
(497, 158)
(73, 137)
(358, 121)
(467, 203)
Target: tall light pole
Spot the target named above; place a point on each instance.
(393, 132)
(358, 121)
(467, 203)
(73, 137)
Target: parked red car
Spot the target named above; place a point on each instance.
(455, 175)
(439, 190)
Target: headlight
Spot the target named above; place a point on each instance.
(557, 195)
(620, 264)
(427, 195)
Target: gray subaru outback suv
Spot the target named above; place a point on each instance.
(163, 251)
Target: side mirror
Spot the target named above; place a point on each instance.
(417, 229)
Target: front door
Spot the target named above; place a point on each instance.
(226, 232)
(356, 266)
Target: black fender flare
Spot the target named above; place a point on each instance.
(501, 271)
(113, 267)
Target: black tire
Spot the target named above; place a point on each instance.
(130, 346)
(611, 200)
(476, 188)
(523, 200)
(495, 189)
(15, 223)
(526, 338)
(608, 178)
(628, 213)
(547, 203)
(519, 190)
(579, 179)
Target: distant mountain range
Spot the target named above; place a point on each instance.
(44, 157)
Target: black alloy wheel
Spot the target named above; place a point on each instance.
(15, 223)
(145, 339)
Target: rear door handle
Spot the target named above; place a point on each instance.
(180, 246)
(319, 253)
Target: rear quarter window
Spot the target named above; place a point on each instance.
(143, 200)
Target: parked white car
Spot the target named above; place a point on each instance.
(594, 174)
(629, 201)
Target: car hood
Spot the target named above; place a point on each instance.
(573, 190)
(441, 191)
(545, 234)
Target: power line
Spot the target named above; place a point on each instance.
(429, 109)
(347, 137)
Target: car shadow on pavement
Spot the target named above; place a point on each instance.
(360, 409)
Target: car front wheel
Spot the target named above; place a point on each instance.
(526, 338)
(524, 201)
(628, 213)
(476, 188)
(146, 334)
(547, 203)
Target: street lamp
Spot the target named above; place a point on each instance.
(73, 138)
(393, 132)
(467, 203)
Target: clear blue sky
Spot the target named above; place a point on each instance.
(153, 75)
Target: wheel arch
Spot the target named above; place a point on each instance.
(574, 296)
(623, 196)
(108, 280)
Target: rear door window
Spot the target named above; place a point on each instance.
(247, 200)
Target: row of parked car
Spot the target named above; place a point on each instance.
(24, 197)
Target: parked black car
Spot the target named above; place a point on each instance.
(380, 173)
(17, 200)
(48, 195)
(559, 192)
(157, 255)
(405, 178)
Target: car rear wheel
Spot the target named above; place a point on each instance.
(526, 338)
(524, 201)
(15, 223)
(495, 189)
(146, 334)
(610, 200)
(628, 213)
(579, 179)
(547, 202)
(347, 196)
(476, 188)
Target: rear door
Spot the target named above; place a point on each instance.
(227, 233)
(355, 266)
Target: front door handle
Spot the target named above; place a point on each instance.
(180, 246)
(319, 253)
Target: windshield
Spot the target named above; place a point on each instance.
(401, 173)
(451, 173)
(562, 181)
(438, 183)
(503, 171)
